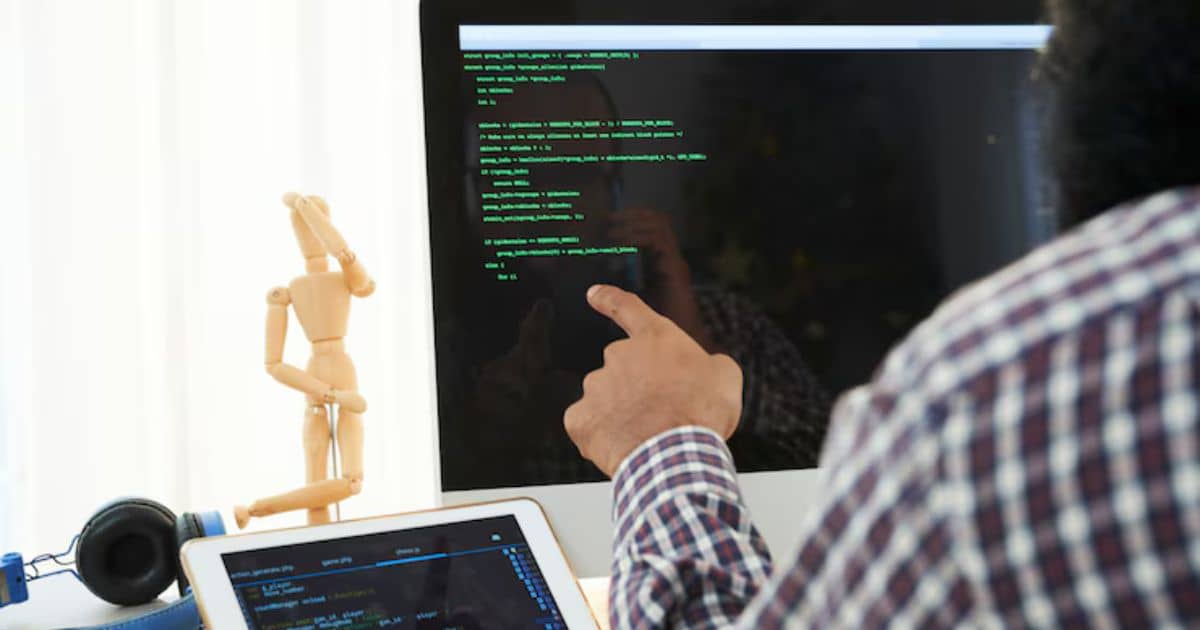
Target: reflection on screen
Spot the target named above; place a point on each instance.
(476, 574)
(797, 199)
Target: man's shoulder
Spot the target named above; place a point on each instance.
(1133, 255)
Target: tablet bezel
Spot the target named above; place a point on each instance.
(201, 557)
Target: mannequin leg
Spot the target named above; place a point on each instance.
(311, 497)
(350, 447)
(316, 496)
(316, 455)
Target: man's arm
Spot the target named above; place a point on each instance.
(686, 554)
(655, 418)
(885, 545)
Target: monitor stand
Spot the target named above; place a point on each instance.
(581, 514)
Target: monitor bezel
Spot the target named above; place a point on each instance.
(441, 79)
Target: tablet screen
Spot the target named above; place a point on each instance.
(473, 574)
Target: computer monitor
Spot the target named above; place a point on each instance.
(795, 187)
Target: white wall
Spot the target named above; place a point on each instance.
(143, 148)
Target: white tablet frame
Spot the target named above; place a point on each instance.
(201, 557)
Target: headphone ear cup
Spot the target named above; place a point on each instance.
(187, 527)
(126, 551)
(194, 525)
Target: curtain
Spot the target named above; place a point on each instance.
(144, 148)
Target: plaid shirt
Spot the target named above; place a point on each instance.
(1028, 457)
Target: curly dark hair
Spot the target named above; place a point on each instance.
(1124, 79)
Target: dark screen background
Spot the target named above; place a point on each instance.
(324, 584)
(843, 195)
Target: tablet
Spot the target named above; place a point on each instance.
(492, 565)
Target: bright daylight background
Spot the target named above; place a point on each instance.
(144, 146)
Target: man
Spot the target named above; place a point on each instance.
(1029, 456)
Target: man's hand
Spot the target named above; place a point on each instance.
(656, 380)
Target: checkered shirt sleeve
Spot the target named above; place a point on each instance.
(1030, 456)
(686, 553)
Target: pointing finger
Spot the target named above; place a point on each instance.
(625, 309)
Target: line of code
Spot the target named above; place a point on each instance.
(498, 75)
(547, 151)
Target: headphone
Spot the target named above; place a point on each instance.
(126, 554)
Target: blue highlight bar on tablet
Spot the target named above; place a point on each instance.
(473, 37)
(376, 565)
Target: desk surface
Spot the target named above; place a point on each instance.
(61, 601)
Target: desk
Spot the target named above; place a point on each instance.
(596, 592)
(62, 602)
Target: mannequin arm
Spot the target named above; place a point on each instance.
(315, 213)
(277, 321)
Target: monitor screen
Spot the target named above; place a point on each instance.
(473, 574)
(797, 197)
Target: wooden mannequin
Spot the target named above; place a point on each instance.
(321, 299)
